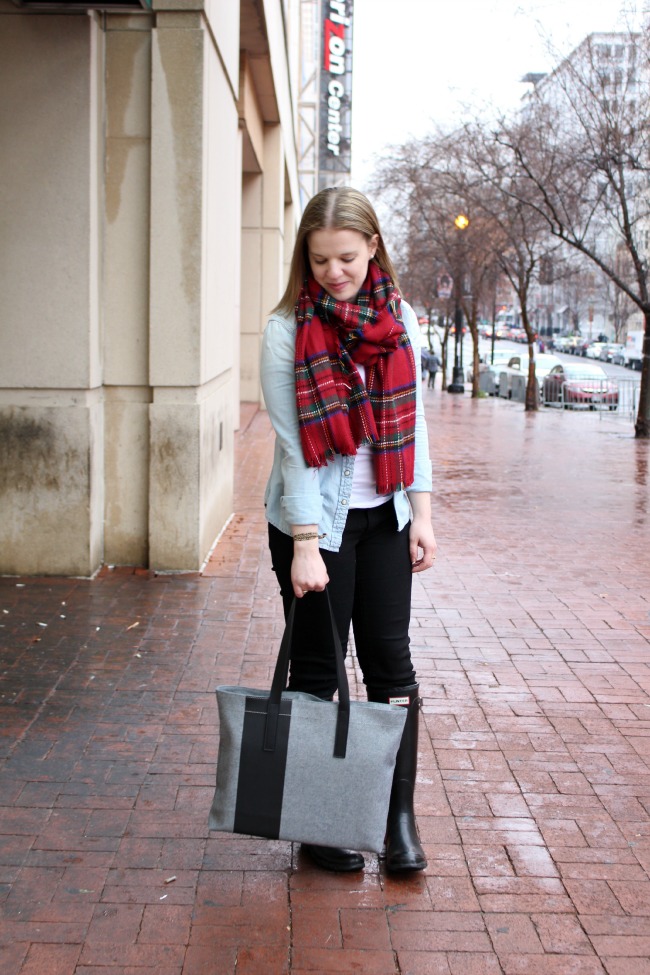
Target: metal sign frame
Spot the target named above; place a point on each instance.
(335, 93)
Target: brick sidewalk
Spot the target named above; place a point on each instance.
(531, 639)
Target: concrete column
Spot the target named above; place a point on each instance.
(273, 218)
(51, 413)
(263, 255)
(127, 393)
(252, 311)
(194, 291)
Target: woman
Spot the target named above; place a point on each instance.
(348, 499)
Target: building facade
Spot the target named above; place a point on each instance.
(601, 86)
(150, 194)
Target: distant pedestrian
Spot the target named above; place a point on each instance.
(424, 360)
(433, 365)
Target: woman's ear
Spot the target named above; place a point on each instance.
(373, 244)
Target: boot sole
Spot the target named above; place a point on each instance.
(406, 867)
(353, 865)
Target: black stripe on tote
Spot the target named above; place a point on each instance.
(260, 787)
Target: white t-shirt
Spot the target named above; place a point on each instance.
(364, 483)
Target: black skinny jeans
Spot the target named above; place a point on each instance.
(370, 586)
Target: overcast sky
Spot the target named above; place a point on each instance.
(416, 62)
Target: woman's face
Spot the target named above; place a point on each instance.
(339, 260)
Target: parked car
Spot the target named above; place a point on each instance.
(593, 350)
(518, 366)
(574, 345)
(613, 352)
(560, 343)
(579, 385)
(518, 335)
(489, 371)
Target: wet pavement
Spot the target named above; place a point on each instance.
(532, 643)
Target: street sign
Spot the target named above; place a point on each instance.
(445, 286)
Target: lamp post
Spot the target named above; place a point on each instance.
(457, 384)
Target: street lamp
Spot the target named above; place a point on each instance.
(457, 384)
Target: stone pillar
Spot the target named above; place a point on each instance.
(51, 411)
(273, 259)
(252, 311)
(127, 393)
(263, 255)
(194, 291)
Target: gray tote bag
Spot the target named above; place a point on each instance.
(294, 767)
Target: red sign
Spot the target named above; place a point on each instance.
(335, 92)
(334, 47)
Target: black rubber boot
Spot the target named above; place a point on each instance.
(403, 849)
(332, 858)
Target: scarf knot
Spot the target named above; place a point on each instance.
(337, 412)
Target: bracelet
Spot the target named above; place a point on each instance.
(308, 536)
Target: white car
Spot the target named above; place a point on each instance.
(488, 370)
(518, 366)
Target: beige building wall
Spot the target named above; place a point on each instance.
(147, 171)
(51, 409)
(127, 393)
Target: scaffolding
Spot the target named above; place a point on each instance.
(308, 101)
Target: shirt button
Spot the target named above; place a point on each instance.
(347, 473)
(344, 501)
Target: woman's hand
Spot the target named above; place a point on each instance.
(422, 541)
(308, 570)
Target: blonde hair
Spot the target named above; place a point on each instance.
(334, 208)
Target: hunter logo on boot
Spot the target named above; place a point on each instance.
(404, 701)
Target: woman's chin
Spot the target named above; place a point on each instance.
(342, 294)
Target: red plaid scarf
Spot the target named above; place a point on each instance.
(336, 411)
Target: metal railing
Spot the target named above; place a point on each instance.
(619, 397)
(625, 405)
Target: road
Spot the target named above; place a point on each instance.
(518, 348)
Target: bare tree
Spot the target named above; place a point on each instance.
(581, 157)
(422, 260)
(517, 236)
(425, 177)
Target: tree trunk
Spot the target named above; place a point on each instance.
(444, 344)
(642, 425)
(532, 390)
(473, 328)
(476, 362)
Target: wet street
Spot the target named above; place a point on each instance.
(532, 643)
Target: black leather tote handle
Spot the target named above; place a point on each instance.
(281, 674)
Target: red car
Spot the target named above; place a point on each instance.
(579, 385)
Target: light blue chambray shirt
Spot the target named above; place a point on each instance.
(300, 495)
